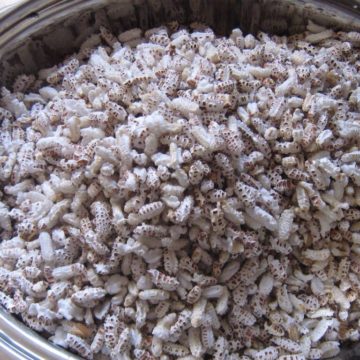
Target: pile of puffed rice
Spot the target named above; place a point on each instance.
(176, 195)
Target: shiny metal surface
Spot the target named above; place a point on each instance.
(18, 342)
(37, 33)
(31, 33)
(7, 5)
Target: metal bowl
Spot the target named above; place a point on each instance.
(38, 33)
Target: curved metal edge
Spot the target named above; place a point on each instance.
(18, 13)
(8, 5)
(32, 16)
(331, 12)
(21, 343)
(16, 340)
(344, 5)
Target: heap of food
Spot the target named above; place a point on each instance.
(176, 195)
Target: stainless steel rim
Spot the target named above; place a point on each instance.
(16, 340)
(19, 342)
(34, 15)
